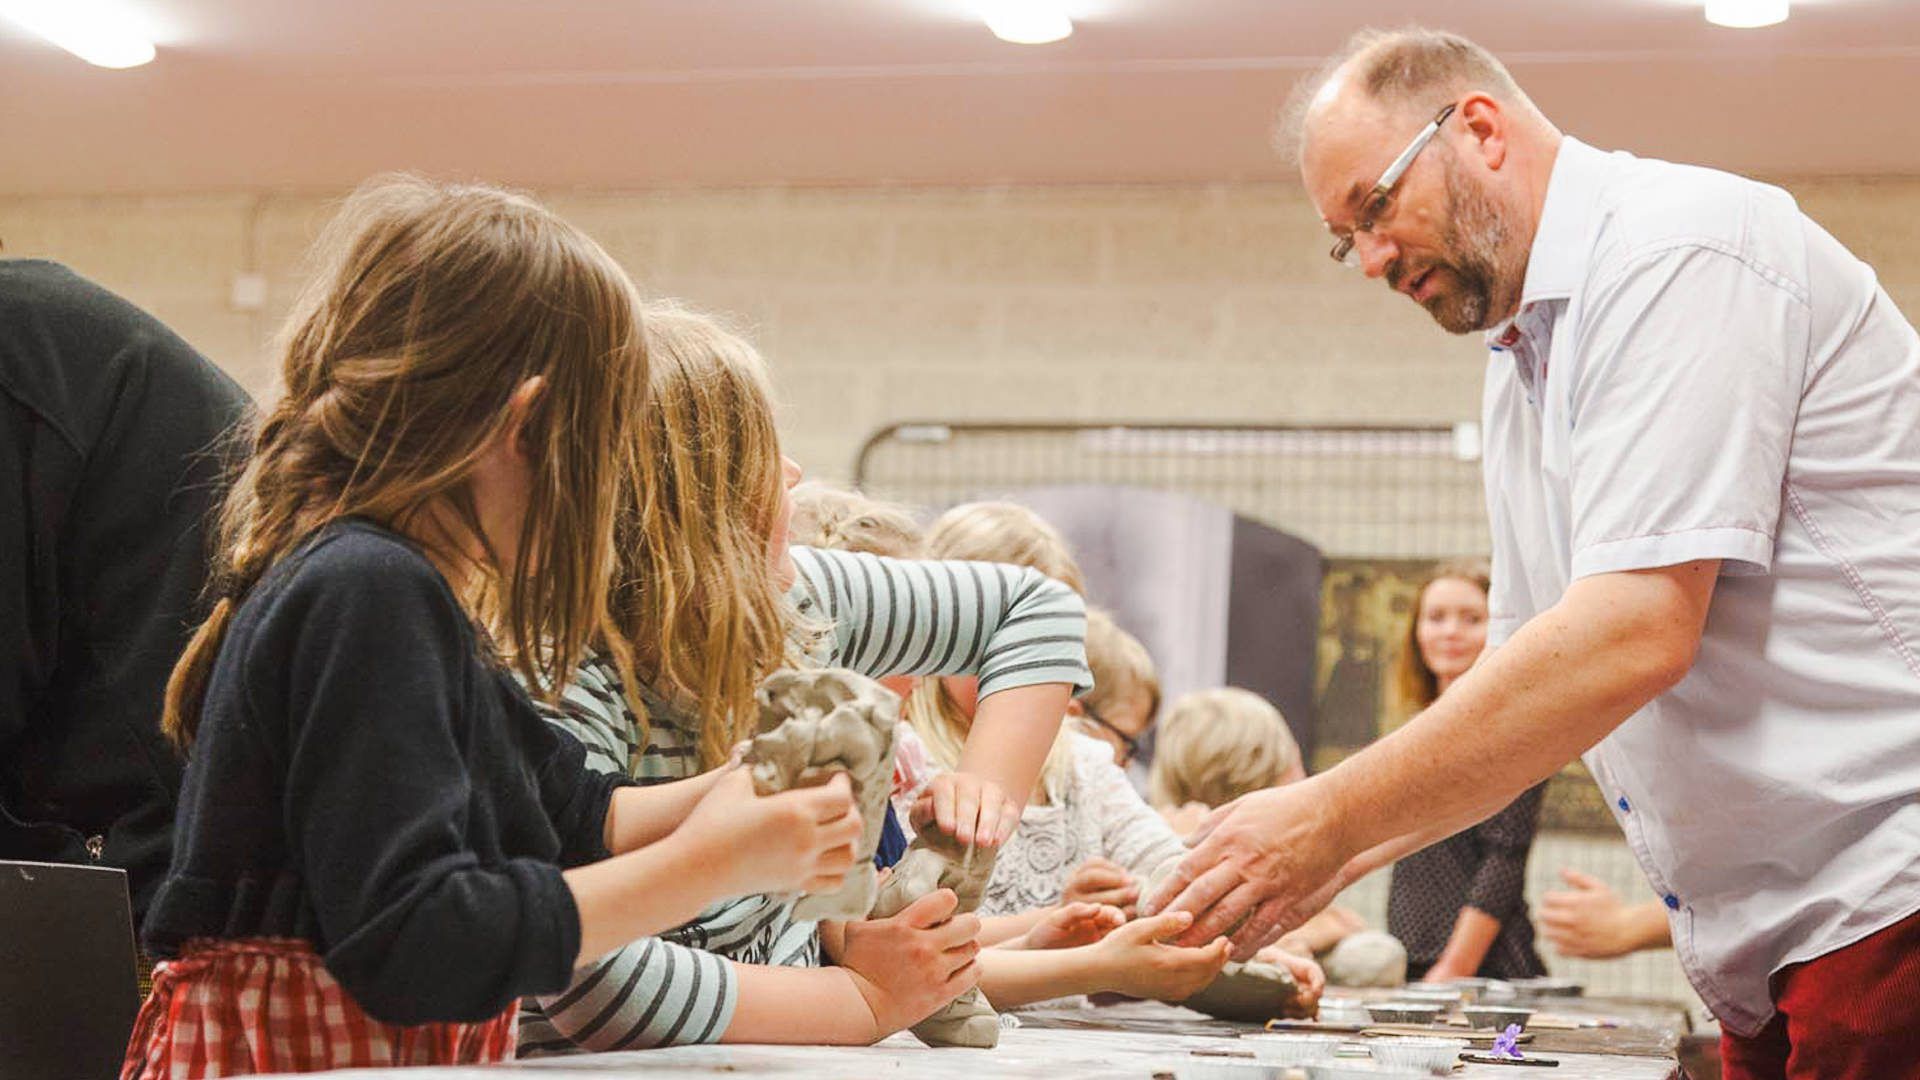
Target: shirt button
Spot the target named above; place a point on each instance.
(1673, 902)
(1624, 808)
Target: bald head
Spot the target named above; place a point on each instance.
(1407, 72)
(1452, 229)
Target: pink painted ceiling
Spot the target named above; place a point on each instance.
(634, 93)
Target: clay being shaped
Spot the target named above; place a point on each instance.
(817, 723)
(1366, 958)
(1253, 992)
(936, 861)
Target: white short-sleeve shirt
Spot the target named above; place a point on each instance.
(1699, 371)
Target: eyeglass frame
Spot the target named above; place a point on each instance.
(1127, 742)
(1343, 246)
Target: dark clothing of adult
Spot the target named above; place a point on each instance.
(1484, 867)
(365, 778)
(113, 436)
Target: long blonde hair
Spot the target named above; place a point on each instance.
(996, 532)
(1414, 684)
(431, 306)
(697, 593)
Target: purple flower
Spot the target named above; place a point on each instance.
(1507, 1043)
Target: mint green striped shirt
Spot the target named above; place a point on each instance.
(1009, 625)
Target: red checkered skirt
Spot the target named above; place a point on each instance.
(267, 1005)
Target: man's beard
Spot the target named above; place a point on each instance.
(1474, 239)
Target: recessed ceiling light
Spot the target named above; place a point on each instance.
(1746, 14)
(96, 31)
(1027, 22)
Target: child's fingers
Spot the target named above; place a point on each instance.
(952, 960)
(943, 809)
(930, 910)
(966, 814)
(831, 799)
(962, 980)
(1156, 927)
(986, 830)
(957, 931)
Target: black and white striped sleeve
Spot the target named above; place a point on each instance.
(1011, 626)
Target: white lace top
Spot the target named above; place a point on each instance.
(1098, 813)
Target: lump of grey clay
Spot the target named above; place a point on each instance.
(1253, 992)
(817, 723)
(935, 861)
(1366, 958)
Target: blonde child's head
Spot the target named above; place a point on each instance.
(441, 320)
(1126, 688)
(841, 519)
(1004, 532)
(941, 710)
(1217, 745)
(703, 544)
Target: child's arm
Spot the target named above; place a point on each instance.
(638, 816)
(1133, 960)
(999, 929)
(892, 973)
(733, 844)
(1022, 633)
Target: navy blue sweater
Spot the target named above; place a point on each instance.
(363, 778)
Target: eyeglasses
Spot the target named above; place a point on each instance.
(1376, 201)
(1129, 745)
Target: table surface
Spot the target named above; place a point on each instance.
(1133, 1041)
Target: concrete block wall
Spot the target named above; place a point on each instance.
(1210, 302)
(877, 304)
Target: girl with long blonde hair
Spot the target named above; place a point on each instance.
(708, 556)
(380, 846)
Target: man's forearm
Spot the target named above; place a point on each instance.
(1559, 685)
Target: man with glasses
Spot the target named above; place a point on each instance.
(1702, 422)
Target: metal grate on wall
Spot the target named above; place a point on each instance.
(1354, 491)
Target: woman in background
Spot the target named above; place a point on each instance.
(1459, 906)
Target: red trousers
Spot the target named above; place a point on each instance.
(1853, 1014)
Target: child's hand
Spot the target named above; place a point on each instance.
(1184, 820)
(1072, 925)
(1103, 881)
(913, 963)
(1144, 966)
(972, 810)
(796, 841)
(1305, 970)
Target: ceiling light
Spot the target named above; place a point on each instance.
(1027, 22)
(1746, 14)
(96, 31)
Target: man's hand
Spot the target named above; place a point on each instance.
(1261, 865)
